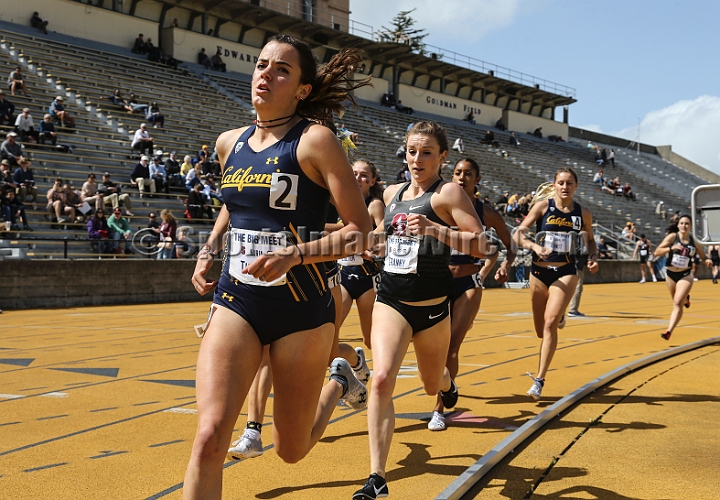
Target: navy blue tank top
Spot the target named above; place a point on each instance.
(432, 278)
(268, 191)
(457, 258)
(560, 231)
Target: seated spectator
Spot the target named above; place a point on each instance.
(194, 177)
(403, 109)
(139, 47)
(598, 158)
(459, 146)
(513, 141)
(598, 178)
(486, 201)
(118, 100)
(113, 195)
(675, 218)
(153, 52)
(500, 125)
(215, 167)
(89, 193)
(46, 131)
(6, 176)
(25, 181)
(202, 58)
(210, 189)
(502, 201)
(7, 110)
(14, 211)
(158, 172)
(166, 234)
(25, 127)
(388, 100)
(175, 23)
(603, 156)
(217, 62)
(140, 176)
(155, 116)
(168, 60)
(37, 23)
(470, 117)
(57, 203)
(136, 106)
(72, 199)
(205, 165)
(401, 174)
(627, 192)
(11, 150)
(172, 167)
(182, 247)
(16, 82)
(120, 232)
(660, 210)
(603, 251)
(538, 133)
(628, 231)
(141, 140)
(489, 138)
(617, 186)
(202, 154)
(152, 221)
(513, 203)
(400, 153)
(99, 232)
(186, 167)
(343, 131)
(197, 205)
(555, 138)
(57, 111)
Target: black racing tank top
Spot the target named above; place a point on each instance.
(714, 254)
(457, 258)
(682, 259)
(643, 248)
(268, 191)
(432, 278)
(559, 231)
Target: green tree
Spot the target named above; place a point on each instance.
(402, 31)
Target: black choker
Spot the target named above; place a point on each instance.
(286, 118)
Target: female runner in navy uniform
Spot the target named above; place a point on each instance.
(560, 221)
(469, 274)
(680, 248)
(413, 299)
(278, 177)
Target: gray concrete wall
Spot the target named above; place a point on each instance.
(40, 284)
(668, 154)
(618, 142)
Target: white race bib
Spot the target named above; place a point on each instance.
(558, 242)
(246, 246)
(643, 252)
(680, 261)
(351, 260)
(402, 254)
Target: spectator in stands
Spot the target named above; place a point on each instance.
(513, 141)
(169, 60)
(206, 165)
(628, 231)
(194, 177)
(403, 109)
(7, 110)
(603, 156)
(46, 131)
(73, 200)
(57, 203)
(14, 211)
(158, 173)
(142, 140)
(538, 132)
(502, 201)
(16, 82)
(675, 218)
(139, 47)
(11, 150)
(387, 100)
(486, 201)
(400, 177)
(25, 181)
(182, 248)
(500, 125)
(172, 167)
(175, 23)
(210, 189)
(598, 158)
(99, 232)
(203, 59)
(155, 116)
(186, 167)
(152, 221)
(459, 146)
(196, 204)
(489, 138)
(166, 234)
(611, 157)
(660, 210)
(400, 153)
(215, 166)
(57, 111)
(598, 178)
(343, 131)
(136, 106)
(470, 117)
(6, 176)
(627, 192)
(140, 176)
(153, 52)
(118, 100)
(603, 251)
(113, 195)
(120, 232)
(217, 62)
(89, 193)
(25, 126)
(37, 22)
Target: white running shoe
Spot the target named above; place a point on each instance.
(245, 447)
(362, 373)
(561, 325)
(356, 394)
(437, 422)
(654, 279)
(642, 280)
(536, 390)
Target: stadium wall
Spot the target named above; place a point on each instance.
(436, 103)
(41, 284)
(81, 20)
(520, 122)
(185, 46)
(668, 154)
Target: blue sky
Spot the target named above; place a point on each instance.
(653, 61)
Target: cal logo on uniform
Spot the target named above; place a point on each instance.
(239, 146)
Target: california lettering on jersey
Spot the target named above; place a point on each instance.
(554, 220)
(243, 177)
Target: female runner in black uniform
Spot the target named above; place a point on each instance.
(278, 177)
(680, 248)
(469, 275)
(560, 221)
(714, 251)
(413, 299)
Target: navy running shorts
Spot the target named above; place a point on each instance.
(549, 275)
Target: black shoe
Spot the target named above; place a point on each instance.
(687, 303)
(666, 335)
(376, 487)
(27, 228)
(450, 398)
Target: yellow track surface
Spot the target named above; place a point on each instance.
(99, 403)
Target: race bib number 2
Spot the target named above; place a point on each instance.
(246, 246)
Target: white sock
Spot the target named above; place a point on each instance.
(252, 434)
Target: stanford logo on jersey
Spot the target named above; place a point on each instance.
(399, 224)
